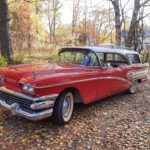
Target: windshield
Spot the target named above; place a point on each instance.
(79, 57)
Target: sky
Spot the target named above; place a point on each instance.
(67, 6)
(66, 9)
(66, 12)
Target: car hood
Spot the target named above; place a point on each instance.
(38, 70)
(41, 74)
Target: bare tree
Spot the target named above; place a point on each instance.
(53, 15)
(123, 15)
(102, 21)
(85, 13)
(116, 6)
(133, 36)
(135, 20)
(5, 43)
(75, 14)
(134, 23)
(49, 20)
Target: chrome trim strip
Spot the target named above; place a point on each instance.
(51, 96)
(137, 74)
(141, 77)
(84, 80)
(14, 108)
(42, 105)
(140, 70)
(91, 79)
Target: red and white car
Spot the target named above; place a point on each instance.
(82, 75)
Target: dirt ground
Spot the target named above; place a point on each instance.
(119, 122)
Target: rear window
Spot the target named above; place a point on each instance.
(134, 58)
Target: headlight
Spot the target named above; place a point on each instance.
(28, 89)
(31, 90)
(25, 87)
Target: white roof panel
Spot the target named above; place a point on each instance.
(103, 50)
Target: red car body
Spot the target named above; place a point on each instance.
(92, 83)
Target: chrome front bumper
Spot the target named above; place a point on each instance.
(14, 108)
(34, 115)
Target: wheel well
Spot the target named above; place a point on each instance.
(76, 94)
(139, 80)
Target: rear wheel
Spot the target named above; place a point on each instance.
(134, 87)
(63, 108)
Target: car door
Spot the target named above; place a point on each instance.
(111, 77)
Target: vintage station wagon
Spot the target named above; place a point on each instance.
(82, 75)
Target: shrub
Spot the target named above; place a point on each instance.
(3, 62)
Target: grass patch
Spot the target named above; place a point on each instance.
(34, 57)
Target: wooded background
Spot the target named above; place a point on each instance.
(23, 29)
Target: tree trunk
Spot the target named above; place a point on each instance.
(37, 13)
(73, 17)
(49, 22)
(5, 43)
(29, 42)
(54, 20)
(115, 4)
(75, 14)
(133, 24)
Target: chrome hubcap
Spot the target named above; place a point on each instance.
(67, 106)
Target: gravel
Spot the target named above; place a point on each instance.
(118, 122)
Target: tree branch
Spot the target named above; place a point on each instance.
(143, 17)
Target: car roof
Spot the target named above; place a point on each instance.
(101, 49)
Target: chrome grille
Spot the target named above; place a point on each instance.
(10, 99)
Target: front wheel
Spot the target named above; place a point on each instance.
(134, 87)
(63, 108)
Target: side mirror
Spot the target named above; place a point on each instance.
(108, 65)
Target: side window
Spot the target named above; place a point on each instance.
(101, 56)
(93, 60)
(134, 58)
(119, 58)
(109, 57)
(115, 60)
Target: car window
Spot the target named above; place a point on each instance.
(134, 58)
(101, 56)
(80, 57)
(115, 57)
(68, 56)
(118, 58)
(109, 57)
(93, 60)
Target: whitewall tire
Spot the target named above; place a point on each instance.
(63, 108)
